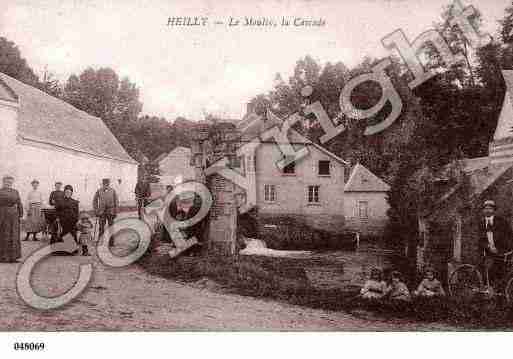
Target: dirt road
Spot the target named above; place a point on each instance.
(129, 299)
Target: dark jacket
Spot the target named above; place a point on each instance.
(502, 235)
(55, 197)
(105, 202)
(67, 212)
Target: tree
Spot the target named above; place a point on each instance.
(100, 93)
(462, 71)
(50, 85)
(14, 65)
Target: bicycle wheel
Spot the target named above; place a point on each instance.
(465, 282)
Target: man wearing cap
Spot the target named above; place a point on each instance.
(494, 240)
(142, 194)
(105, 204)
(56, 195)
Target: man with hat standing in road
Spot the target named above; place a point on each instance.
(105, 204)
(494, 240)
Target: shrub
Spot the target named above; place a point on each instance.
(290, 233)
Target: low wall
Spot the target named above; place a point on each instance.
(325, 222)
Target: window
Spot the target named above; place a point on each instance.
(324, 168)
(270, 193)
(363, 209)
(313, 194)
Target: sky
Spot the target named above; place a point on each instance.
(187, 71)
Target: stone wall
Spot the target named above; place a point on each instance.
(330, 223)
(292, 189)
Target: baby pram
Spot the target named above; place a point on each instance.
(53, 228)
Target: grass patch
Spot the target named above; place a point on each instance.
(261, 277)
(284, 279)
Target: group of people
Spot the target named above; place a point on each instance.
(395, 290)
(67, 218)
(495, 244)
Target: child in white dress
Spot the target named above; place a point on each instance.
(397, 291)
(374, 288)
(430, 286)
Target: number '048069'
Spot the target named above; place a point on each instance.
(29, 346)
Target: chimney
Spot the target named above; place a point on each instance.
(250, 108)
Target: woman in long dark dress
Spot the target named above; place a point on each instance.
(11, 210)
(67, 212)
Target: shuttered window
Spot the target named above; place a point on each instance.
(270, 193)
(313, 194)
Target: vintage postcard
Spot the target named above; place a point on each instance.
(316, 166)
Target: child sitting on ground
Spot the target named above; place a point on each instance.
(397, 290)
(84, 227)
(430, 286)
(374, 288)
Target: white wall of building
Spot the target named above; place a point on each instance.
(84, 172)
(292, 190)
(8, 130)
(176, 163)
(376, 217)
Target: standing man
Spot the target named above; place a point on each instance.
(142, 193)
(494, 240)
(105, 204)
(56, 195)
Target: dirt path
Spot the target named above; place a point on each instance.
(129, 299)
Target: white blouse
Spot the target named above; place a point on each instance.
(34, 196)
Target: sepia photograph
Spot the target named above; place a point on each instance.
(258, 167)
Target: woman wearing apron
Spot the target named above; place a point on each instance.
(11, 211)
(35, 221)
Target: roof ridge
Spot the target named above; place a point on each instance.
(50, 96)
(49, 119)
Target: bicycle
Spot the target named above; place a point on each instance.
(467, 281)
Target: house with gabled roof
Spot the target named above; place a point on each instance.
(448, 222)
(312, 188)
(175, 166)
(365, 201)
(47, 139)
